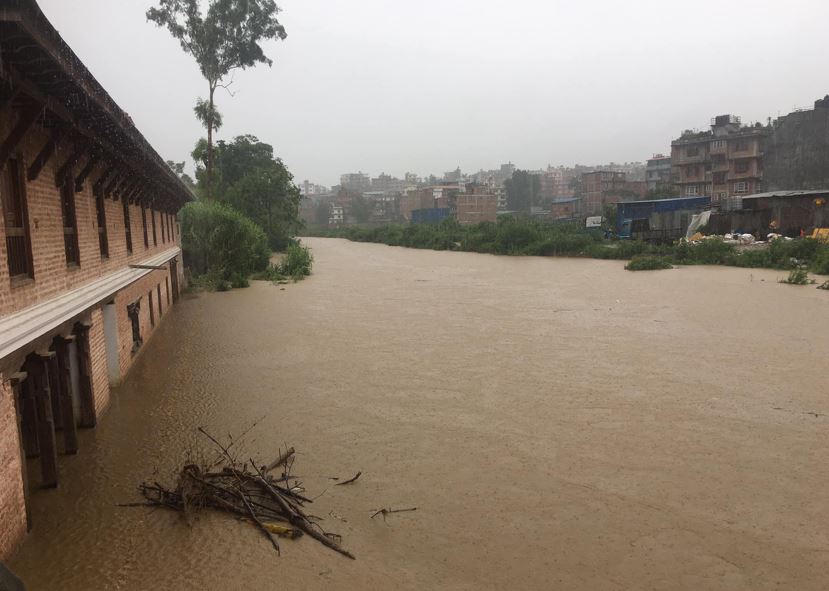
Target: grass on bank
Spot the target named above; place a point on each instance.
(517, 236)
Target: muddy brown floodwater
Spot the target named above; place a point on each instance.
(558, 423)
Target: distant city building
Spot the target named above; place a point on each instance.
(309, 189)
(473, 208)
(565, 208)
(726, 161)
(658, 172)
(356, 182)
(337, 216)
(601, 187)
(453, 176)
(796, 152)
(387, 184)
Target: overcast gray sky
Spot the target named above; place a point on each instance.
(395, 86)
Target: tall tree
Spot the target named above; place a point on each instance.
(250, 179)
(228, 37)
(522, 190)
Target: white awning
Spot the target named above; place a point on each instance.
(24, 326)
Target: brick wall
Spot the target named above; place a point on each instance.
(98, 355)
(52, 276)
(472, 209)
(140, 291)
(12, 508)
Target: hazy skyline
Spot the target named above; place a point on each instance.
(385, 86)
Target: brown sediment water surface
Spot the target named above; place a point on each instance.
(558, 423)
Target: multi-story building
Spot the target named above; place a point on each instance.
(90, 261)
(387, 184)
(726, 161)
(309, 189)
(356, 182)
(658, 172)
(336, 217)
(565, 208)
(415, 199)
(599, 188)
(473, 208)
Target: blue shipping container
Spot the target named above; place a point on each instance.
(433, 215)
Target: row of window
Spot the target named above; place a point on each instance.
(739, 146)
(18, 239)
(738, 188)
(134, 310)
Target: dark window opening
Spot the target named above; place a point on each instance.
(127, 226)
(100, 210)
(144, 225)
(163, 230)
(15, 213)
(133, 312)
(70, 221)
(150, 306)
(158, 290)
(741, 166)
(167, 285)
(152, 222)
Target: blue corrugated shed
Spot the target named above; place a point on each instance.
(638, 210)
(432, 215)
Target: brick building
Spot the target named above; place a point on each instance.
(726, 161)
(565, 208)
(475, 207)
(658, 172)
(89, 254)
(599, 188)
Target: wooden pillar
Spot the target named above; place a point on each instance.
(39, 370)
(29, 418)
(17, 395)
(54, 387)
(88, 418)
(67, 412)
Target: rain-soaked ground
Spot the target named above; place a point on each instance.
(558, 423)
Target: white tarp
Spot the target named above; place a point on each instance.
(698, 220)
(594, 222)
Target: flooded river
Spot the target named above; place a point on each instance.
(558, 423)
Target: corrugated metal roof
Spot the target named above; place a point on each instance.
(801, 193)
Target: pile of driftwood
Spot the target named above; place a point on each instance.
(266, 495)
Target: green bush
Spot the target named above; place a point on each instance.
(220, 243)
(648, 263)
(713, 251)
(297, 262)
(797, 277)
(821, 264)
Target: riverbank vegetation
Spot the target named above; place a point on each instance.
(254, 211)
(295, 265)
(517, 236)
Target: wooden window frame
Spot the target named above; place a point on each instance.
(127, 226)
(152, 221)
(158, 290)
(101, 219)
(163, 228)
(14, 168)
(134, 314)
(144, 225)
(71, 244)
